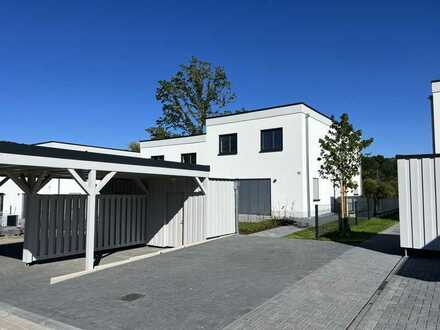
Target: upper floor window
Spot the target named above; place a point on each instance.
(271, 139)
(190, 158)
(158, 157)
(228, 144)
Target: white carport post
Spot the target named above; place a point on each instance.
(90, 232)
(91, 189)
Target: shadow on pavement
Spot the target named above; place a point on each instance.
(422, 266)
(12, 250)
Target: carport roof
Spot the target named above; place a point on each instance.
(15, 156)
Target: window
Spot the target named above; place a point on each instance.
(189, 158)
(272, 140)
(158, 157)
(315, 189)
(227, 144)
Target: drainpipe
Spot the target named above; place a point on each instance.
(433, 125)
(309, 214)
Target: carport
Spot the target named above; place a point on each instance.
(117, 190)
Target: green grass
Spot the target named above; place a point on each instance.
(253, 227)
(361, 232)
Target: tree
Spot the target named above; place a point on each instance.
(341, 156)
(196, 91)
(134, 146)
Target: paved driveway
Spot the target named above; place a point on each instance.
(206, 286)
(239, 282)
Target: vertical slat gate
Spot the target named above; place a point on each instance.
(419, 193)
(56, 224)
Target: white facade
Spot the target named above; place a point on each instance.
(291, 169)
(436, 114)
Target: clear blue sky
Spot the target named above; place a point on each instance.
(86, 71)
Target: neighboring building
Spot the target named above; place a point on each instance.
(278, 146)
(435, 106)
(419, 189)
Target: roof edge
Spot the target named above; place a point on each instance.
(270, 108)
(81, 145)
(174, 137)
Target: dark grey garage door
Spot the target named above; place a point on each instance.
(255, 197)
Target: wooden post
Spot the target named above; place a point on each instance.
(90, 232)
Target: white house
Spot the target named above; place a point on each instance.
(278, 145)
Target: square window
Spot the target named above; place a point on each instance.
(190, 158)
(228, 144)
(272, 140)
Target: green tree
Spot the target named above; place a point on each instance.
(341, 156)
(196, 91)
(134, 146)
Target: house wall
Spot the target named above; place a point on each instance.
(287, 169)
(284, 168)
(436, 115)
(172, 149)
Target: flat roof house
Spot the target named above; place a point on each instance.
(273, 152)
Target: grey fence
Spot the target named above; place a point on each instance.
(254, 199)
(359, 209)
(56, 224)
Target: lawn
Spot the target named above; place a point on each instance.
(253, 227)
(361, 232)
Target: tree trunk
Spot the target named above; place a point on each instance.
(344, 225)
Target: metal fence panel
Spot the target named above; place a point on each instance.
(419, 202)
(56, 224)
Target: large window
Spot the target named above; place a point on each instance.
(228, 144)
(190, 158)
(158, 157)
(315, 189)
(271, 140)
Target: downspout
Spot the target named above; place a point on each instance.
(309, 214)
(433, 125)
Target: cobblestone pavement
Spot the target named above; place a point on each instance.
(278, 232)
(410, 298)
(328, 298)
(13, 318)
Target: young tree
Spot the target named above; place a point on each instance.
(194, 92)
(341, 156)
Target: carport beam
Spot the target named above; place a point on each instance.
(2, 182)
(200, 184)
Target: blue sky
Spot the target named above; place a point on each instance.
(86, 71)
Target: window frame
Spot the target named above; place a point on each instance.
(158, 157)
(230, 135)
(189, 154)
(273, 139)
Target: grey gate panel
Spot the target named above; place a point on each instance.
(255, 197)
(56, 224)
